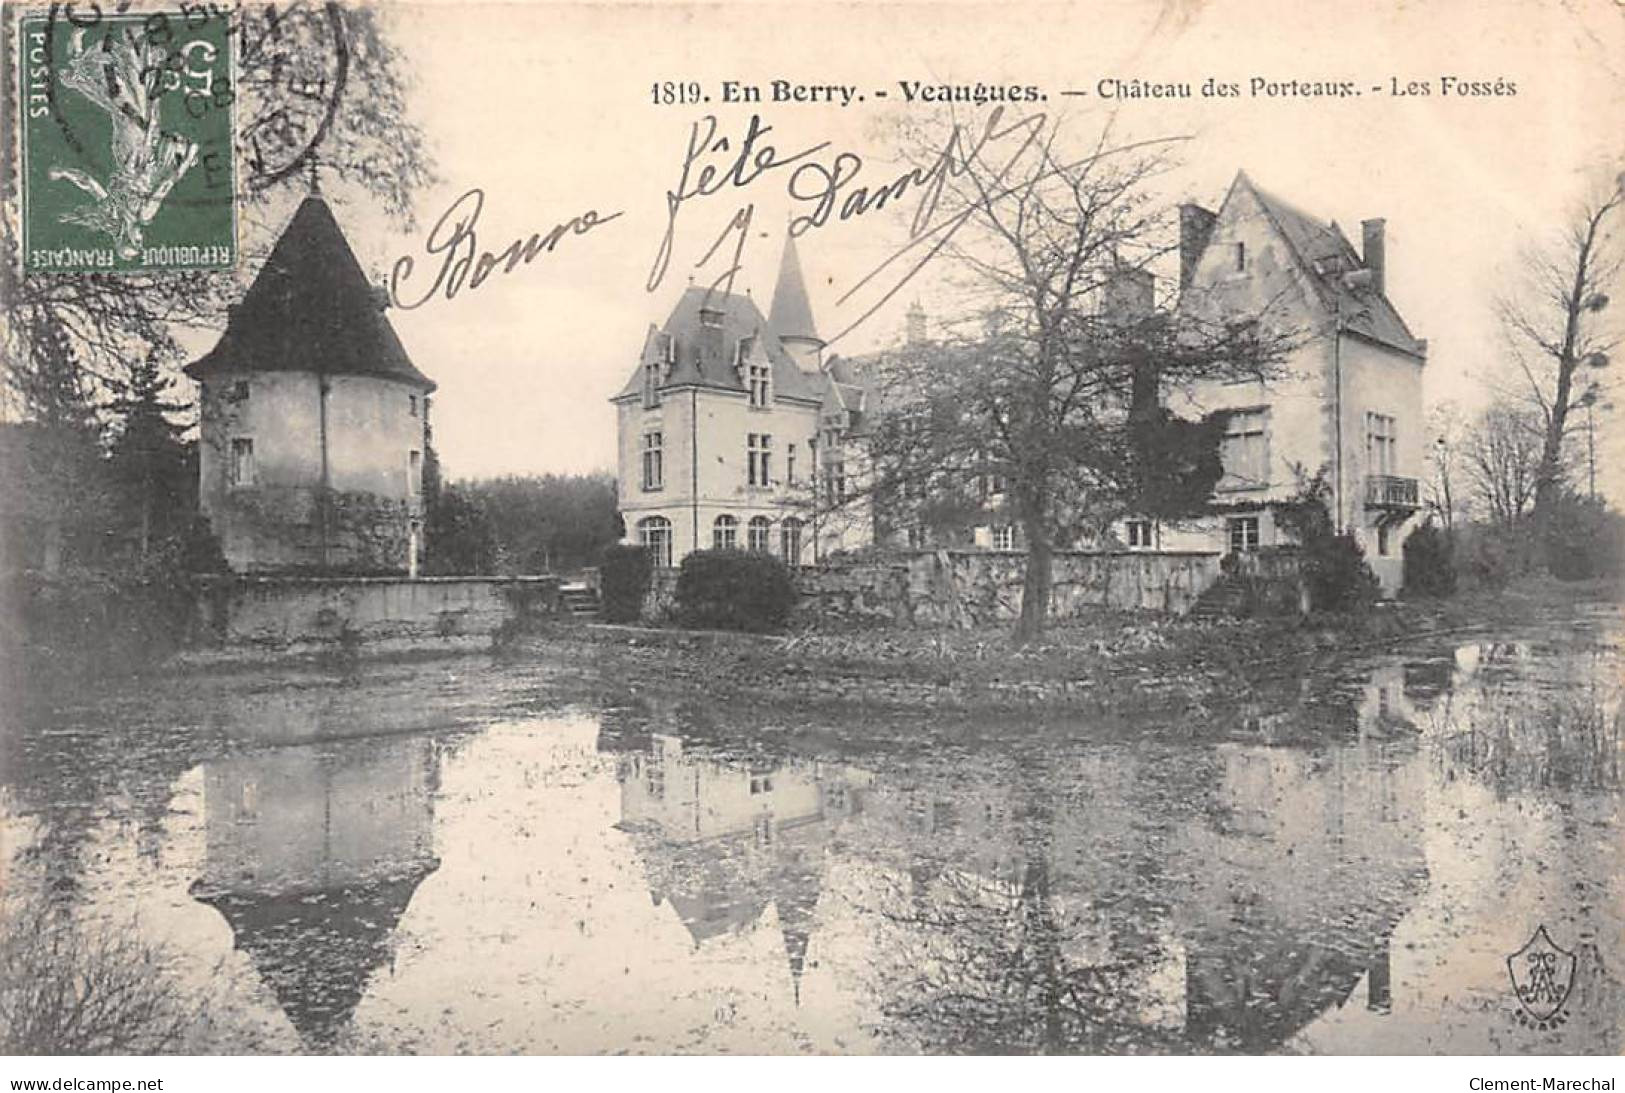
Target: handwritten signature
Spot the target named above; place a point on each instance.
(462, 263)
(838, 189)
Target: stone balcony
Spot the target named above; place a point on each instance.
(1388, 491)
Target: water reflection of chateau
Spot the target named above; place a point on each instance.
(1242, 893)
(722, 841)
(313, 853)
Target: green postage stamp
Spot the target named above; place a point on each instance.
(127, 141)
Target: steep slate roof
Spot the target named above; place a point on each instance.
(311, 307)
(1325, 255)
(705, 356)
(791, 313)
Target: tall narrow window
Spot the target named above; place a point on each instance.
(654, 470)
(1381, 444)
(414, 473)
(412, 405)
(790, 540)
(654, 533)
(725, 533)
(758, 450)
(758, 373)
(1241, 257)
(1246, 451)
(759, 534)
(790, 464)
(240, 472)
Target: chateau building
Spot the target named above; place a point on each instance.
(1346, 403)
(732, 425)
(314, 420)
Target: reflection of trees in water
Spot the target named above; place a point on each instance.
(976, 965)
(1208, 900)
(62, 766)
(1521, 719)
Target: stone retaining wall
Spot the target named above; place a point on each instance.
(971, 588)
(245, 616)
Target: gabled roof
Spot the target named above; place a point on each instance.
(1324, 256)
(311, 307)
(706, 356)
(791, 312)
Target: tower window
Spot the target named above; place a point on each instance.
(1241, 257)
(654, 471)
(240, 472)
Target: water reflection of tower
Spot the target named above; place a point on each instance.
(313, 853)
(722, 839)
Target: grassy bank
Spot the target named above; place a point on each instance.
(1119, 662)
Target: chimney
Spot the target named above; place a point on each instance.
(1129, 295)
(1375, 252)
(1195, 229)
(710, 340)
(915, 330)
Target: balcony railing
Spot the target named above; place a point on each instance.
(1388, 491)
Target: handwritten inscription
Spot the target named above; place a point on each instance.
(835, 187)
(463, 264)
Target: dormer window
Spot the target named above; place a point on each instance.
(758, 378)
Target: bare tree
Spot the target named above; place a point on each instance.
(1446, 438)
(1555, 325)
(1502, 455)
(1047, 379)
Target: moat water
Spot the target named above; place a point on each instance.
(472, 855)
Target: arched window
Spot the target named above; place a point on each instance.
(758, 534)
(790, 540)
(654, 532)
(725, 533)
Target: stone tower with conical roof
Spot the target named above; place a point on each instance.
(791, 313)
(315, 422)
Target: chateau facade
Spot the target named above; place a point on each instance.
(733, 425)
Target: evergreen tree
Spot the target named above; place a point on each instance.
(149, 461)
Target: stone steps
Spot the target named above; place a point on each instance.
(580, 602)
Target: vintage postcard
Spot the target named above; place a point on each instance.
(814, 529)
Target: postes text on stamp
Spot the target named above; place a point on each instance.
(127, 142)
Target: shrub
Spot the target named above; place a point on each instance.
(1430, 562)
(1334, 566)
(1584, 539)
(1337, 575)
(734, 590)
(92, 990)
(624, 572)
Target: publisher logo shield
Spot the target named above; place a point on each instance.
(1542, 975)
